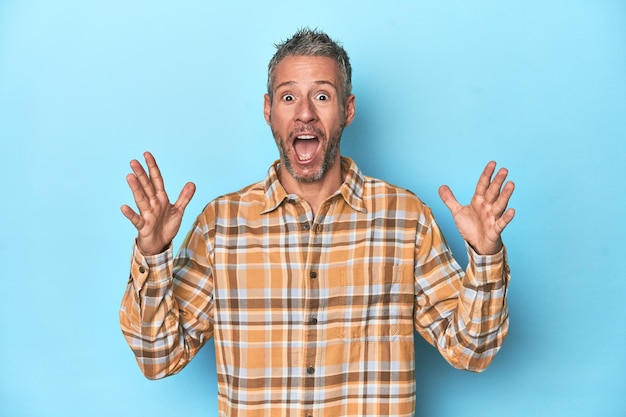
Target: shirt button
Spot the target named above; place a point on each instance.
(142, 270)
(312, 320)
(313, 274)
(306, 226)
(310, 370)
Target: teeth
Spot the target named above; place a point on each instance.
(306, 137)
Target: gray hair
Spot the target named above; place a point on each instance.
(312, 42)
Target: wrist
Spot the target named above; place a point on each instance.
(150, 250)
(487, 249)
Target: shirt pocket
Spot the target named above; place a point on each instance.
(370, 303)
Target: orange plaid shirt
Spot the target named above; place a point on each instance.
(314, 316)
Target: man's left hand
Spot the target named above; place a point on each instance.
(482, 221)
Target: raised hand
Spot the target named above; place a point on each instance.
(482, 221)
(158, 220)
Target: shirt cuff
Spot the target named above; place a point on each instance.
(153, 267)
(488, 268)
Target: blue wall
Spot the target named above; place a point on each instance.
(442, 87)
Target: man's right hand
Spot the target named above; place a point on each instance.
(158, 220)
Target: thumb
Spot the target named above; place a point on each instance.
(446, 195)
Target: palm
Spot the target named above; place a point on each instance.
(482, 221)
(158, 220)
(160, 226)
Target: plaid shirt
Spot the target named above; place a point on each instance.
(314, 316)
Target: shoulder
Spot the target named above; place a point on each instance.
(247, 200)
(380, 193)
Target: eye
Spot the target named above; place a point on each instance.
(288, 97)
(323, 97)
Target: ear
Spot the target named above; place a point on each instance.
(267, 108)
(350, 109)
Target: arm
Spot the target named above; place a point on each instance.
(464, 314)
(166, 314)
(150, 315)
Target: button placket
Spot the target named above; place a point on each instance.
(311, 232)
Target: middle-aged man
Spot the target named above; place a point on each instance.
(312, 281)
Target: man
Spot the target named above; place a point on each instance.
(312, 281)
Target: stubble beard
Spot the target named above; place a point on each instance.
(330, 153)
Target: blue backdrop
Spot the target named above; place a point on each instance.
(442, 87)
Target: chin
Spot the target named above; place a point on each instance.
(308, 175)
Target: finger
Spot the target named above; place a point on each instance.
(155, 173)
(185, 196)
(134, 218)
(485, 178)
(503, 199)
(504, 220)
(446, 195)
(142, 178)
(139, 195)
(493, 191)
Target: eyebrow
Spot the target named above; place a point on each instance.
(320, 82)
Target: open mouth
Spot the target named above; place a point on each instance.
(305, 147)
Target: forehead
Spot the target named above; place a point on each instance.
(306, 69)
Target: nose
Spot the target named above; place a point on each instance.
(305, 112)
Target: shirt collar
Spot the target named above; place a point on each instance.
(351, 190)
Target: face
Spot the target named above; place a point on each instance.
(307, 116)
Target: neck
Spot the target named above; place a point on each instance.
(314, 193)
